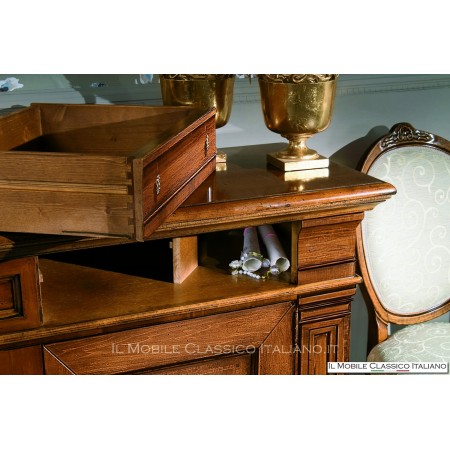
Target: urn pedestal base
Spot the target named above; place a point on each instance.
(221, 158)
(289, 164)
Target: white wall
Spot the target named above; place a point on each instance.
(362, 103)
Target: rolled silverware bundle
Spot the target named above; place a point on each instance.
(278, 260)
(251, 260)
(251, 254)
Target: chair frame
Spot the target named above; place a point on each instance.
(401, 135)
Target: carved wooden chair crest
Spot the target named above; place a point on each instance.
(403, 246)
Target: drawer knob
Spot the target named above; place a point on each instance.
(158, 184)
(206, 144)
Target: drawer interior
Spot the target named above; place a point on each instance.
(151, 259)
(96, 129)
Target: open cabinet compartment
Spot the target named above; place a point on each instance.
(170, 260)
(101, 170)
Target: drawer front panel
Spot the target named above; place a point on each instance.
(326, 273)
(193, 341)
(168, 173)
(327, 241)
(19, 295)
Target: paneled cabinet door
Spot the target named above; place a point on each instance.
(322, 342)
(252, 341)
(19, 295)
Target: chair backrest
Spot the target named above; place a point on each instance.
(403, 244)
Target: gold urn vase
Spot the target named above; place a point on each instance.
(204, 91)
(297, 107)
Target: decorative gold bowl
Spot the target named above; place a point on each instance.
(297, 107)
(204, 91)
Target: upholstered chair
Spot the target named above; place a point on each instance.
(403, 247)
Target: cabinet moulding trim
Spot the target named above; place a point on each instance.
(391, 83)
(245, 91)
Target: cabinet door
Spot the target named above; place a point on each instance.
(22, 361)
(323, 342)
(19, 295)
(324, 336)
(252, 341)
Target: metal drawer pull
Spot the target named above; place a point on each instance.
(158, 184)
(206, 144)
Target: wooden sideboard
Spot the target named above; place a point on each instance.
(169, 305)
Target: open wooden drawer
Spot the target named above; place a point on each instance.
(100, 170)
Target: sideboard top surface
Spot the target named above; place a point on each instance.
(249, 190)
(246, 177)
(245, 190)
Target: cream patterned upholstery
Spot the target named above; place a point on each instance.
(406, 246)
(424, 342)
(407, 239)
